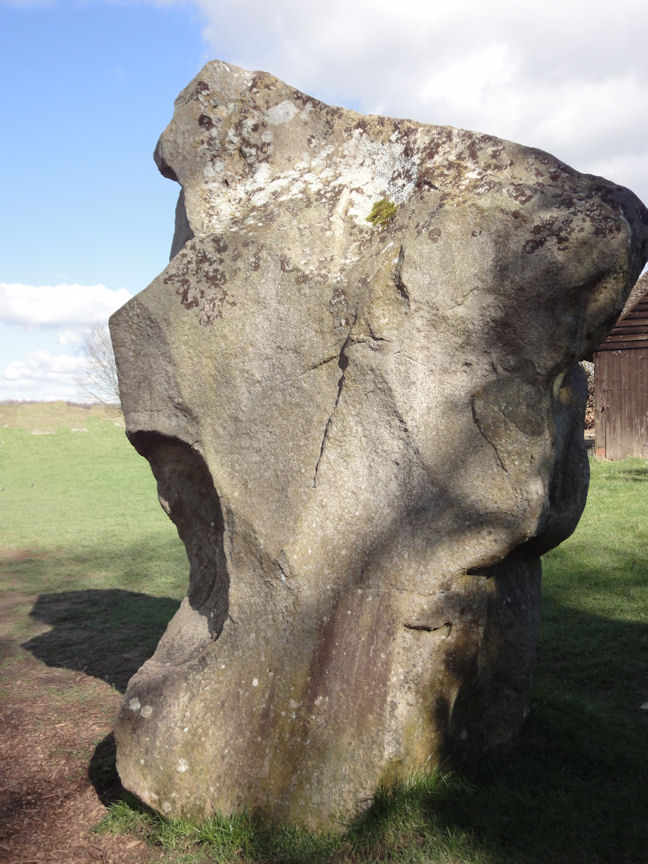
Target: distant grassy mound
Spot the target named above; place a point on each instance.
(47, 417)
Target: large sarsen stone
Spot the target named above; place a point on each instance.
(355, 385)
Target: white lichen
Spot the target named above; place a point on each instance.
(281, 113)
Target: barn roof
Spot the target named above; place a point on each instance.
(631, 329)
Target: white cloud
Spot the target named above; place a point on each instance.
(41, 376)
(39, 318)
(71, 337)
(58, 306)
(569, 77)
(466, 81)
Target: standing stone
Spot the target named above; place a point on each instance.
(355, 385)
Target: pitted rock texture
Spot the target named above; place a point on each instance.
(366, 435)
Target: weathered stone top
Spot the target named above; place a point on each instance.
(251, 152)
(246, 147)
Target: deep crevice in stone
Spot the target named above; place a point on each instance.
(187, 494)
(343, 362)
(398, 279)
(428, 628)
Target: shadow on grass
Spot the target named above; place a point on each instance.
(627, 475)
(628, 471)
(105, 633)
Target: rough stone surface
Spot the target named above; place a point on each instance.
(366, 435)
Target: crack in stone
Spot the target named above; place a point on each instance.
(369, 588)
(343, 362)
(413, 359)
(463, 300)
(301, 374)
(398, 279)
(321, 363)
(429, 628)
(374, 337)
(412, 444)
(486, 438)
(286, 575)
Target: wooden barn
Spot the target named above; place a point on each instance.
(621, 382)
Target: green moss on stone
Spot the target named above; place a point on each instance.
(382, 212)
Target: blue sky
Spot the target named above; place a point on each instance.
(87, 87)
(86, 90)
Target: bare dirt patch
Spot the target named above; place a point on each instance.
(57, 762)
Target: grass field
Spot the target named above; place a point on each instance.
(92, 569)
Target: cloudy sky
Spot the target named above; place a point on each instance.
(88, 85)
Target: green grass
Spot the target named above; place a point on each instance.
(85, 502)
(104, 559)
(81, 528)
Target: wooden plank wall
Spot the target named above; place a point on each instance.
(621, 402)
(631, 330)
